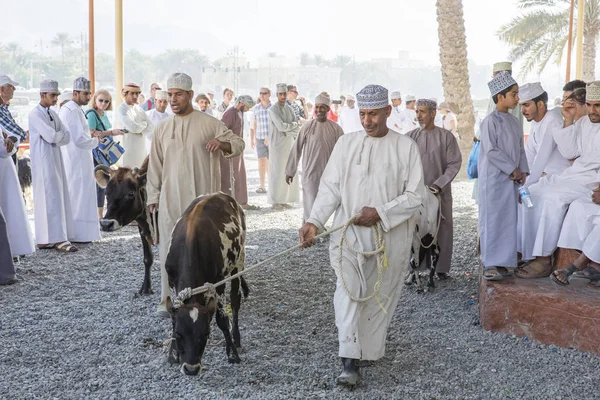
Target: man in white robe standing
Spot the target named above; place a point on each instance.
(378, 175)
(541, 224)
(158, 113)
(130, 117)
(52, 212)
(543, 156)
(11, 201)
(179, 168)
(409, 115)
(79, 165)
(283, 131)
(349, 117)
(396, 120)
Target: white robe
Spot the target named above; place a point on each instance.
(155, 116)
(395, 121)
(581, 228)
(409, 121)
(135, 120)
(542, 153)
(52, 211)
(385, 173)
(11, 200)
(541, 224)
(79, 168)
(350, 120)
(283, 131)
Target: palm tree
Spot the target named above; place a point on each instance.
(304, 59)
(62, 40)
(540, 35)
(455, 67)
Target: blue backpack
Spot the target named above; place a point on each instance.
(473, 160)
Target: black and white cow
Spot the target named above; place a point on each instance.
(126, 202)
(425, 250)
(207, 245)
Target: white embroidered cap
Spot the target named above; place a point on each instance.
(49, 86)
(179, 80)
(530, 91)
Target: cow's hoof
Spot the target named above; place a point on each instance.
(235, 359)
(145, 292)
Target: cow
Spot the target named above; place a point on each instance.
(24, 173)
(425, 250)
(207, 245)
(126, 202)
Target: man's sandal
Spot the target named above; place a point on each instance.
(492, 274)
(561, 276)
(46, 246)
(66, 247)
(506, 272)
(587, 275)
(533, 270)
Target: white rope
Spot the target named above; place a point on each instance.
(187, 293)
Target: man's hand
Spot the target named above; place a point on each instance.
(568, 111)
(307, 235)
(368, 216)
(289, 179)
(435, 189)
(302, 121)
(253, 143)
(596, 195)
(266, 141)
(153, 207)
(213, 145)
(516, 175)
(9, 145)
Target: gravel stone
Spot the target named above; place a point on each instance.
(74, 328)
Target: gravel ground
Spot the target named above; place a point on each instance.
(73, 328)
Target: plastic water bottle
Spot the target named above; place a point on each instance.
(525, 197)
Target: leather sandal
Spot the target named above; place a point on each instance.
(561, 276)
(533, 270)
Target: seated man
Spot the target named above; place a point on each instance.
(581, 231)
(541, 224)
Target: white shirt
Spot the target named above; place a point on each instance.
(350, 120)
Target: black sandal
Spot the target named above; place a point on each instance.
(585, 276)
(564, 273)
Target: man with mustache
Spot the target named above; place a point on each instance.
(541, 224)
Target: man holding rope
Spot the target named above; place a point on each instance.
(374, 179)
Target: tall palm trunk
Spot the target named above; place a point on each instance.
(455, 68)
(589, 55)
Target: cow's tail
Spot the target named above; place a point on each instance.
(244, 285)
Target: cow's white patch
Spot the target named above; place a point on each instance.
(194, 314)
(227, 244)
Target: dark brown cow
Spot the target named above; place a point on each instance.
(126, 202)
(207, 245)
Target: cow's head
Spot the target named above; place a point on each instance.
(191, 329)
(125, 195)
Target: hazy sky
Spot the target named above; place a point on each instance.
(371, 29)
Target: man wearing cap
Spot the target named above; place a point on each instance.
(396, 120)
(283, 130)
(259, 135)
(552, 194)
(315, 143)
(180, 167)
(233, 119)
(213, 103)
(157, 113)
(409, 115)
(441, 159)
(349, 116)
(151, 102)
(504, 66)
(130, 117)
(7, 122)
(543, 156)
(79, 164)
(52, 212)
(378, 175)
(203, 103)
(502, 168)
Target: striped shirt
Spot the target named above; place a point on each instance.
(8, 123)
(261, 115)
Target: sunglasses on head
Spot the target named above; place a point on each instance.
(104, 101)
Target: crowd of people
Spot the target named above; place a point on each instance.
(362, 158)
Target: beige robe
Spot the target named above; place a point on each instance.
(283, 130)
(315, 143)
(180, 170)
(441, 162)
(385, 173)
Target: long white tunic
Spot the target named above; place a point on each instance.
(52, 211)
(385, 173)
(155, 116)
(11, 200)
(283, 131)
(350, 120)
(542, 153)
(501, 152)
(395, 121)
(409, 121)
(79, 168)
(541, 224)
(135, 120)
(581, 228)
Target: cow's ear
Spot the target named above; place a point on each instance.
(142, 179)
(102, 174)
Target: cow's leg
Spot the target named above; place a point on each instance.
(173, 352)
(223, 324)
(236, 299)
(431, 264)
(148, 260)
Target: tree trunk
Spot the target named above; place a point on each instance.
(589, 56)
(455, 70)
